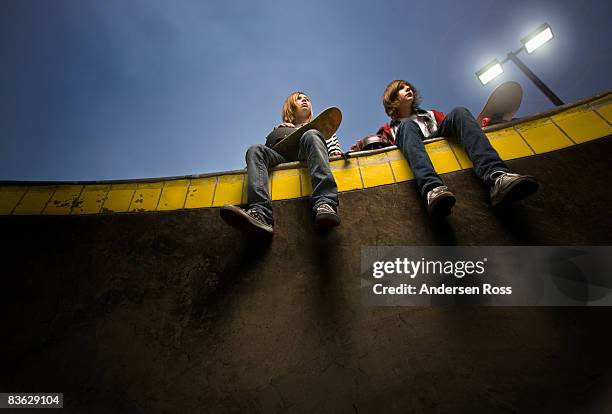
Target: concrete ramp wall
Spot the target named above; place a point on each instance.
(175, 312)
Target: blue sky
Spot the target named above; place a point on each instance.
(117, 89)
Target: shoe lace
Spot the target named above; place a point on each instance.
(325, 208)
(504, 177)
(434, 192)
(257, 216)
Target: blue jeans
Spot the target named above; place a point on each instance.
(459, 124)
(313, 150)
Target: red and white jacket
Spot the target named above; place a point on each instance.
(428, 121)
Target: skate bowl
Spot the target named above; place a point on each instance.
(134, 296)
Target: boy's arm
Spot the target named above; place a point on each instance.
(333, 146)
(387, 132)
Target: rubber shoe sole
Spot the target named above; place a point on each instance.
(521, 188)
(442, 205)
(239, 219)
(327, 220)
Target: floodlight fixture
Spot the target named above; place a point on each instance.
(490, 72)
(537, 38)
(530, 43)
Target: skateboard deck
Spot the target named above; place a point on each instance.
(327, 123)
(502, 104)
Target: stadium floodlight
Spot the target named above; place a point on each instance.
(530, 43)
(490, 72)
(537, 38)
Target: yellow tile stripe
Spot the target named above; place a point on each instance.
(34, 200)
(582, 124)
(229, 190)
(603, 107)
(63, 200)
(9, 197)
(146, 197)
(286, 184)
(119, 198)
(91, 199)
(375, 170)
(543, 135)
(509, 144)
(173, 195)
(201, 192)
(442, 157)
(400, 167)
(575, 125)
(347, 174)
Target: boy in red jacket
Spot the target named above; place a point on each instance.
(410, 125)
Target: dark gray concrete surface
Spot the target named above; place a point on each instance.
(176, 312)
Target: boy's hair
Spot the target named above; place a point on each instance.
(290, 106)
(391, 97)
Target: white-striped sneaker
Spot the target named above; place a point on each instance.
(509, 188)
(251, 221)
(326, 216)
(440, 201)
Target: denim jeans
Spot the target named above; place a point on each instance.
(313, 150)
(459, 124)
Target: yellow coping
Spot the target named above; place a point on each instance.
(346, 173)
(91, 199)
(9, 197)
(34, 200)
(401, 170)
(603, 107)
(543, 135)
(509, 144)
(582, 124)
(201, 192)
(173, 195)
(460, 154)
(146, 197)
(63, 200)
(305, 182)
(578, 124)
(229, 190)
(442, 157)
(375, 170)
(286, 184)
(118, 198)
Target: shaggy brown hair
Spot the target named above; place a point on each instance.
(391, 97)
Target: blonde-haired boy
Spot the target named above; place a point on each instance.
(314, 149)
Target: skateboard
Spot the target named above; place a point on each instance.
(502, 104)
(286, 140)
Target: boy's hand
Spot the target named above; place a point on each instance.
(285, 125)
(335, 154)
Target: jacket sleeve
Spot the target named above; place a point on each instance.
(386, 131)
(439, 116)
(333, 145)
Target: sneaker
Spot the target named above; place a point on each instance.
(326, 216)
(440, 201)
(250, 221)
(509, 188)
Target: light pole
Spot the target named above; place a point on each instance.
(530, 43)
